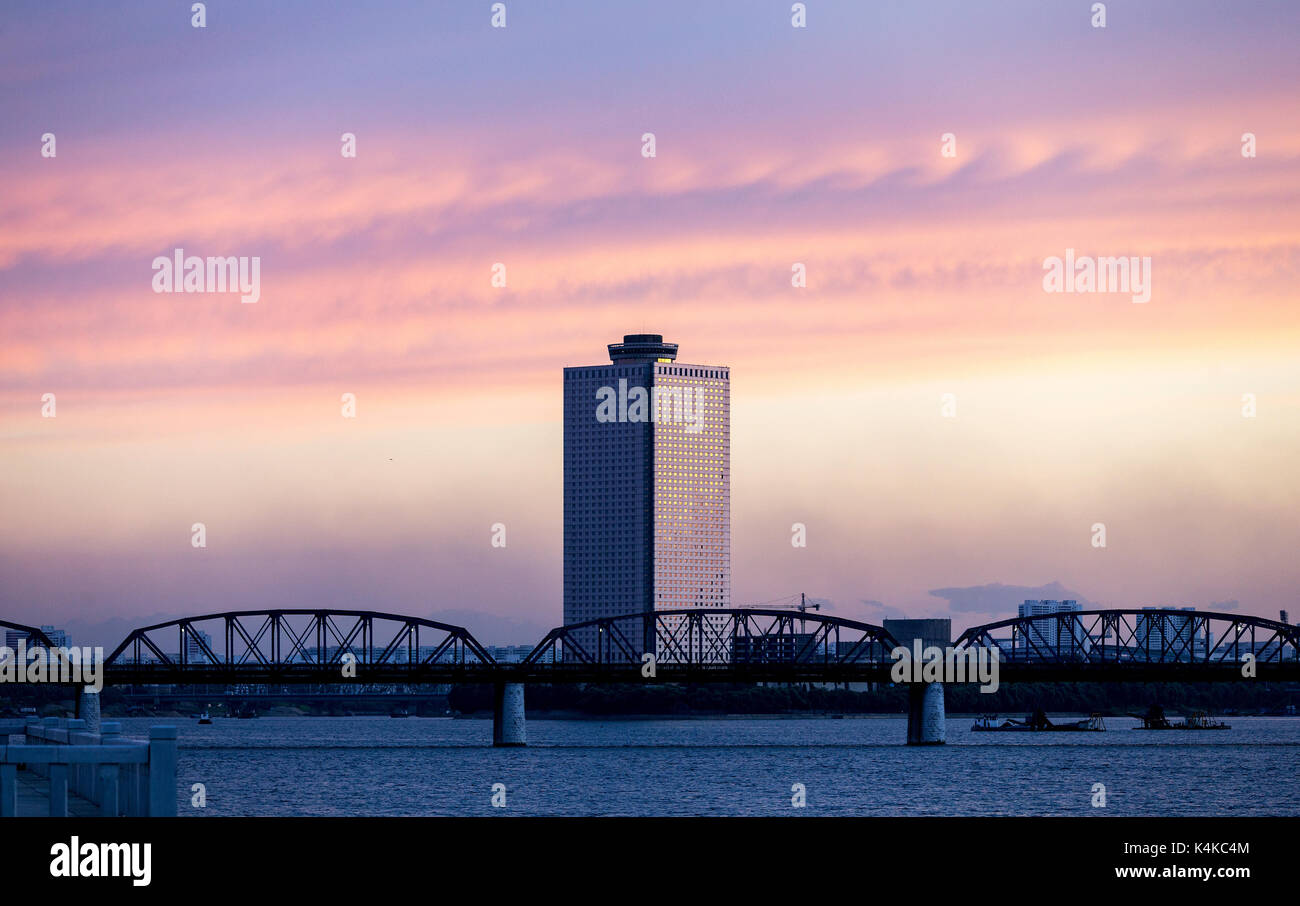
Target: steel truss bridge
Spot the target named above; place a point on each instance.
(1151, 645)
(314, 646)
(33, 635)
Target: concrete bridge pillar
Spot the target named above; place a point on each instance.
(508, 726)
(925, 713)
(88, 708)
(925, 717)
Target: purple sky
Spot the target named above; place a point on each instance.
(522, 145)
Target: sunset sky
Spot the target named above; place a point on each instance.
(522, 145)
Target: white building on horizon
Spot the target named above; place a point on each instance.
(194, 651)
(58, 637)
(1047, 633)
(1165, 634)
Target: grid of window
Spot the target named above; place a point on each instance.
(692, 508)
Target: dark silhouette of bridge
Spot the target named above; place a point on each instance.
(34, 636)
(279, 646)
(322, 647)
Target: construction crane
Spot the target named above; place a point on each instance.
(803, 606)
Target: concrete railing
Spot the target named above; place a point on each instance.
(121, 775)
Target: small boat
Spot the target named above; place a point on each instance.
(1037, 723)
(1155, 719)
(399, 712)
(1093, 722)
(1200, 720)
(204, 718)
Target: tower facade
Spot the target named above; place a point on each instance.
(647, 484)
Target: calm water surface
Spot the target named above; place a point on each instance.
(443, 766)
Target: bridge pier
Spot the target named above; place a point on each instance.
(88, 708)
(925, 716)
(508, 726)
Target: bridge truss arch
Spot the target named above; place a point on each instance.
(33, 634)
(1140, 644)
(297, 645)
(745, 643)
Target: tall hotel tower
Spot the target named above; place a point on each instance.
(647, 489)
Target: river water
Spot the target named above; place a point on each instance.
(743, 766)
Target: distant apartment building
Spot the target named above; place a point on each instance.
(768, 649)
(58, 638)
(647, 485)
(1048, 634)
(508, 654)
(195, 640)
(1167, 634)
